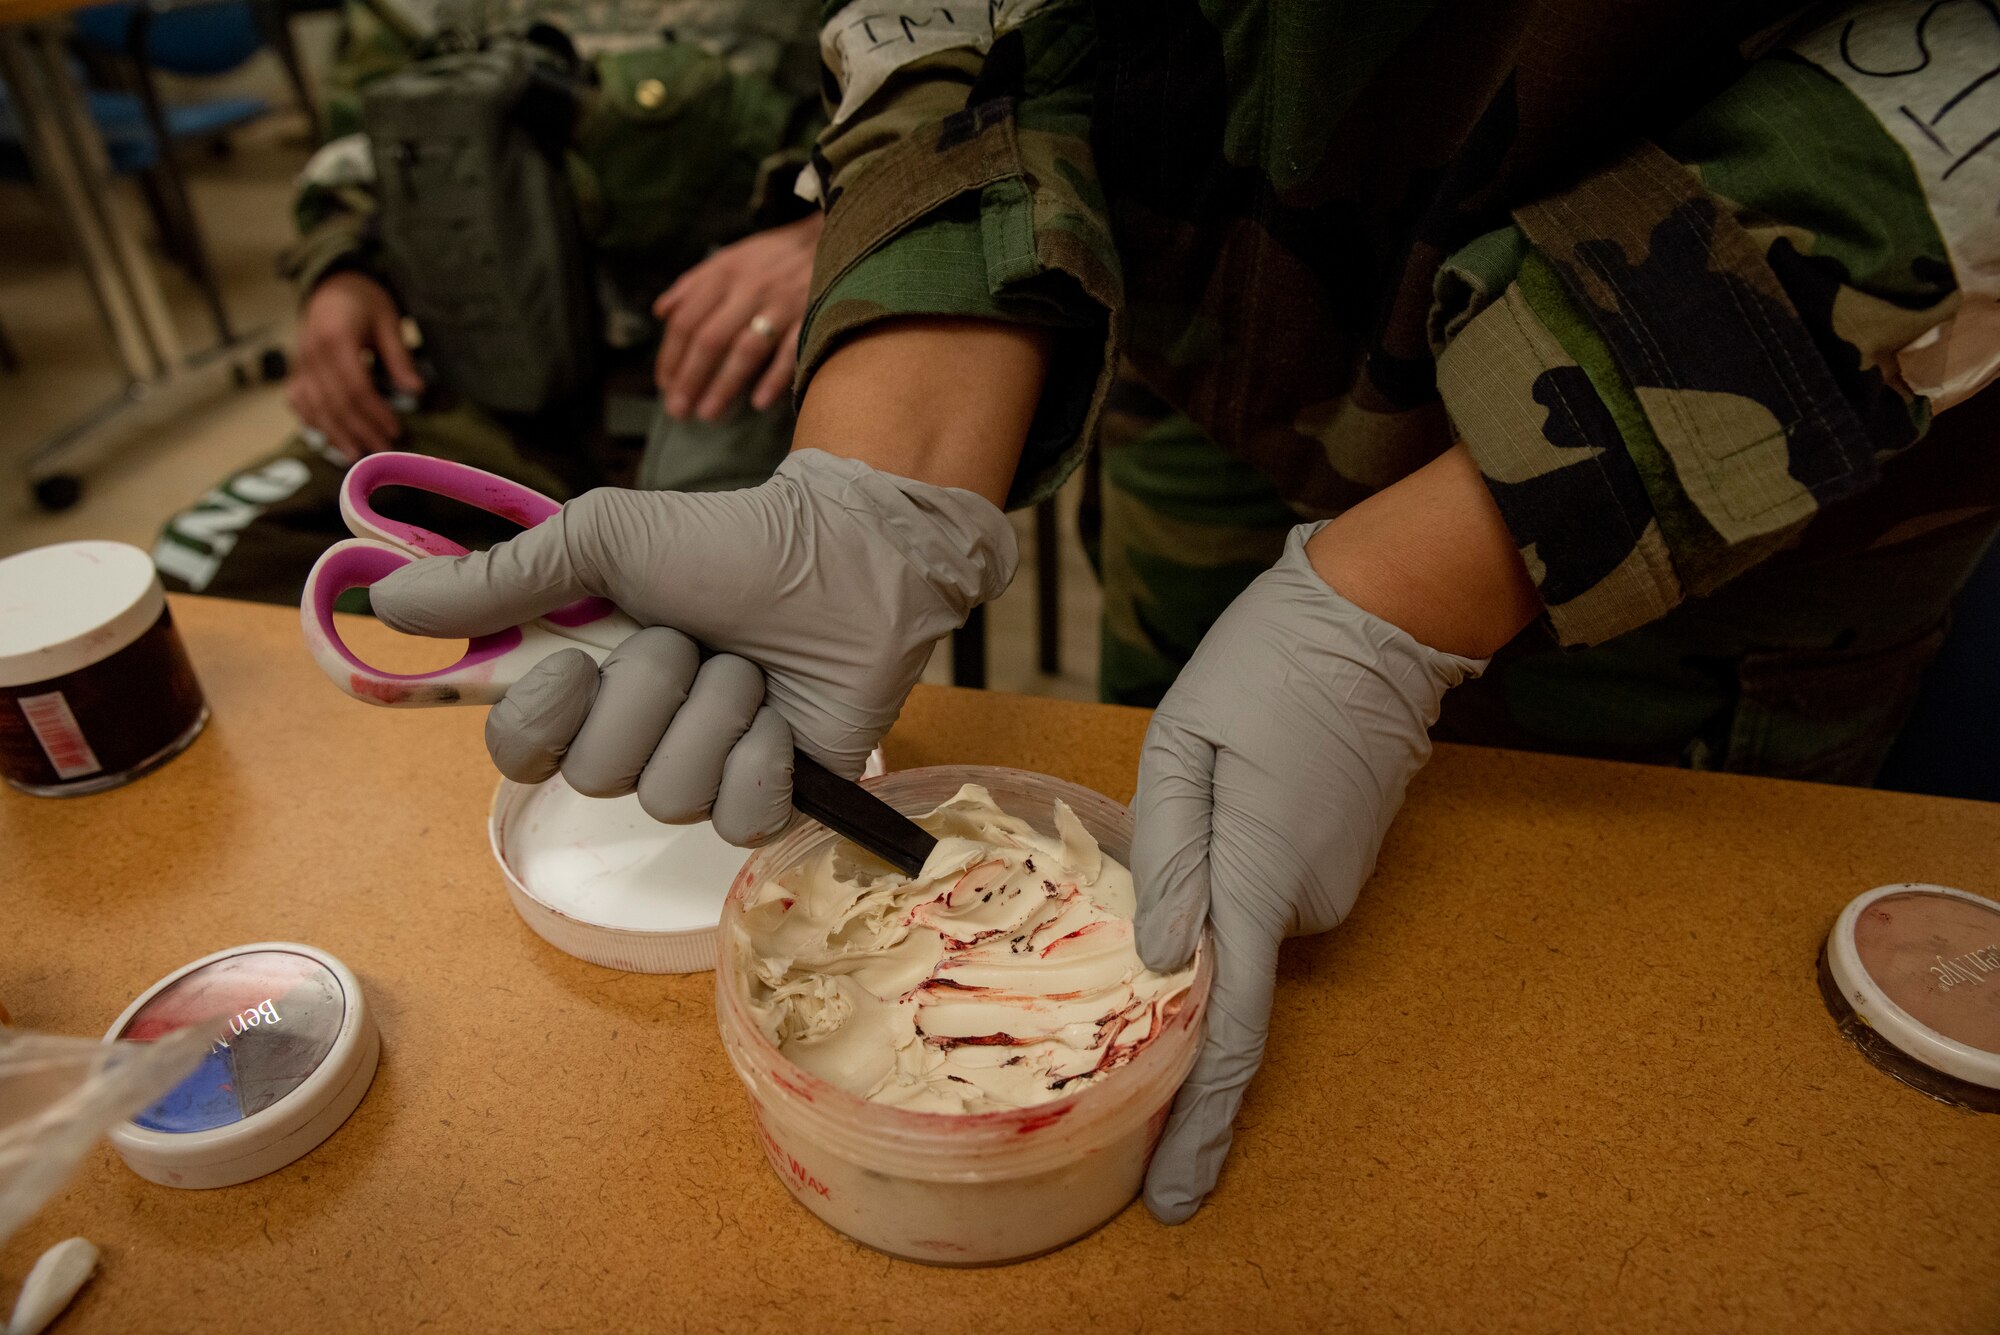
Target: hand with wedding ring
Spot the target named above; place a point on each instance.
(735, 317)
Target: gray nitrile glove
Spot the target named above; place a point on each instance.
(1270, 774)
(832, 578)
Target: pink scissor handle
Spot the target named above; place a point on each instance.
(490, 665)
(592, 620)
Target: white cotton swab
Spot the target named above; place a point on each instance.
(61, 1271)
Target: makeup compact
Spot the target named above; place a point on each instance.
(294, 1052)
(1912, 976)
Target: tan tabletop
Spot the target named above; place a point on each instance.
(1564, 1068)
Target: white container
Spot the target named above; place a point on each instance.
(945, 1188)
(598, 878)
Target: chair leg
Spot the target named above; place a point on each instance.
(968, 651)
(1048, 587)
(168, 225)
(173, 188)
(273, 20)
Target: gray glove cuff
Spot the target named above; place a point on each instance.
(1420, 673)
(960, 542)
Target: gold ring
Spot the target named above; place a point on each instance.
(761, 326)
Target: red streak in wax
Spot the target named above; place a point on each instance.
(1084, 930)
(977, 1041)
(964, 876)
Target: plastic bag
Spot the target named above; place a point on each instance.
(58, 1095)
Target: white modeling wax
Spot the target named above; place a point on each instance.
(1002, 976)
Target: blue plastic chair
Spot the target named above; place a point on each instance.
(128, 141)
(198, 40)
(188, 37)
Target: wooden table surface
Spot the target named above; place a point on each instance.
(1565, 1067)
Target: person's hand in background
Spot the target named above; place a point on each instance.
(1279, 757)
(734, 317)
(350, 324)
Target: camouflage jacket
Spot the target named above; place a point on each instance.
(1686, 278)
(700, 116)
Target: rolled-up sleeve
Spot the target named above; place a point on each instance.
(1667, 368)
(957, 180)
(335, 209)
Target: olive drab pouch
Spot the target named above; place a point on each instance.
(673, 141)
(478, 218)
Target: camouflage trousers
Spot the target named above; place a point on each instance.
(256, 534)
(1803, 668)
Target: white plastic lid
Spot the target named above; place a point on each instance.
(598, 878)
(71, 605)
(296, 1052)
(1920, 964)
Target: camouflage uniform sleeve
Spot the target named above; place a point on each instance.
(377, 38)
(335, 208)
(1667, 369)
(336, 221)
(957, 179)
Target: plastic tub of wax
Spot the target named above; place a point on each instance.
(957, 1188)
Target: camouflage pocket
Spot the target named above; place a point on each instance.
(672, 142)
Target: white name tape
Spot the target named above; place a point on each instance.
(867, 43)
(1929, 70)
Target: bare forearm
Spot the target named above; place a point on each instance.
(943, 401)
(1431, 556)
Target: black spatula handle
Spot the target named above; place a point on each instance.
(850, 810)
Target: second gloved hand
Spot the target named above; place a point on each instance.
(823, 589)
(1270, 773)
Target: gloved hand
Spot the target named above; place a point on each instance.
(1270, 774)
(832, 578)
